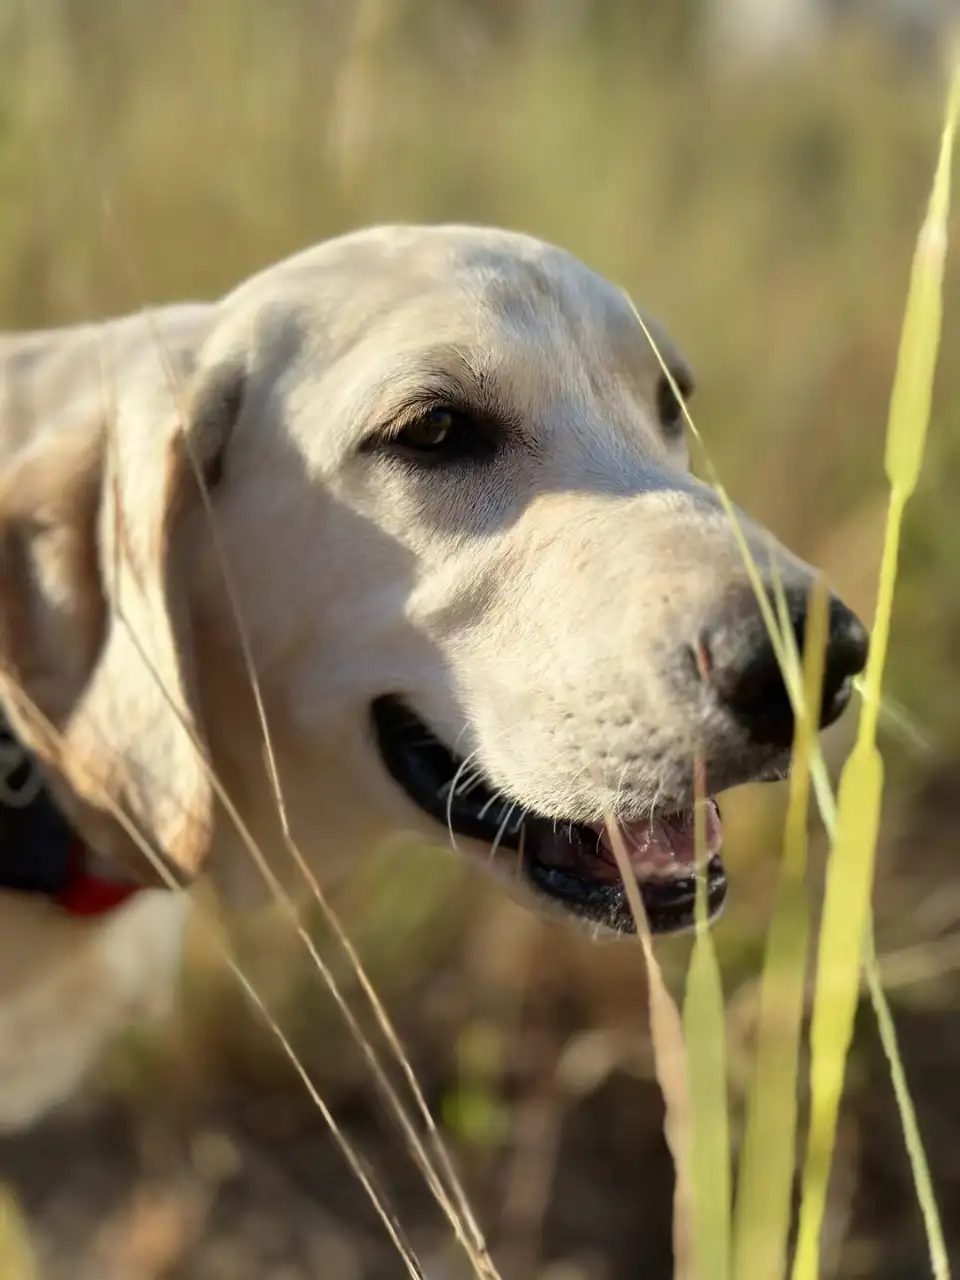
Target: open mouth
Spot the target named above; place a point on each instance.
(571, 863)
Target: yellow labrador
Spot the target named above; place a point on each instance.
(483, 596)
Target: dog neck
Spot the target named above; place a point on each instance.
(40, 853)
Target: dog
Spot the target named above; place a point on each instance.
(431, 485)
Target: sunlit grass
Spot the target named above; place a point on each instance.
(704, 1025)
(768, 1154)
(849, 882)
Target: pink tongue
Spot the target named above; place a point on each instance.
(667, 845)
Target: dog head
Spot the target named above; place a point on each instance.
(433, 485)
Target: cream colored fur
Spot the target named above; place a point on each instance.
(523, 608)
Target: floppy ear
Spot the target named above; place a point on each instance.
(95, 625)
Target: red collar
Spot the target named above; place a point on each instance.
(85, 893)
(40, 853)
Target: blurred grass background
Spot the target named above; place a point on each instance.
(766, 209)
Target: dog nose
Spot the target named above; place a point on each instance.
(736, 658)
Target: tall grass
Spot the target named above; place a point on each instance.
(762, 1222)
(768, 1155)
(705, 1030)
(846, 908)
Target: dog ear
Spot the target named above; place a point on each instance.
(95, 625)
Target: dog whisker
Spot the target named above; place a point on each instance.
(494, 798)
(501, 831)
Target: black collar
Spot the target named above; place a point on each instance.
(40, 853)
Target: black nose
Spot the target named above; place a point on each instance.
(737, 659)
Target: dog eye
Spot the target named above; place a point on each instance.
(670, 405)
(430, 433)
(444, 434)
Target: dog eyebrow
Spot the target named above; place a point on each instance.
(438, 376)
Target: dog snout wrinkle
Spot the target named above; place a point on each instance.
(735, 658)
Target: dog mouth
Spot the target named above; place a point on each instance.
(572, 864)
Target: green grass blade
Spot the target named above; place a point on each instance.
(704, 1026)
(920, 337)
(842, 931)
(768, 1157)
(926, 1197)
(846, 912)
(705, 1035)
